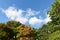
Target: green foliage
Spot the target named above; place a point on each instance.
(13, 23)
(8, 30)
(55, 12)
(51, 30)
(3, 34)
(55, 35)
(13, 30)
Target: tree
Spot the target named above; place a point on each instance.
(3, 34)
(11, 27)
(55, 12)
(8, 30)
(43, 32)
(26, 33)
(55, 23)
(55, 35)
(13, 23)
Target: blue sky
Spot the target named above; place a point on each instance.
(28, 12)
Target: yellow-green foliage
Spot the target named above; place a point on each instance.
(55, 35)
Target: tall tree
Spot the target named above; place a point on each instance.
(55, 12)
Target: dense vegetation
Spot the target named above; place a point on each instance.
(13, 30)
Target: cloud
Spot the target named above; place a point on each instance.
(31, 12)
(35, 20)
(14, 14)
(18, 15)
(47, 19)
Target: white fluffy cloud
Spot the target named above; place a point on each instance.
(34, 20)
(47, 19)
(14, 14)
(31, 12)
(17, 14)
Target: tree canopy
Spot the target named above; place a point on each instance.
(13, 30)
